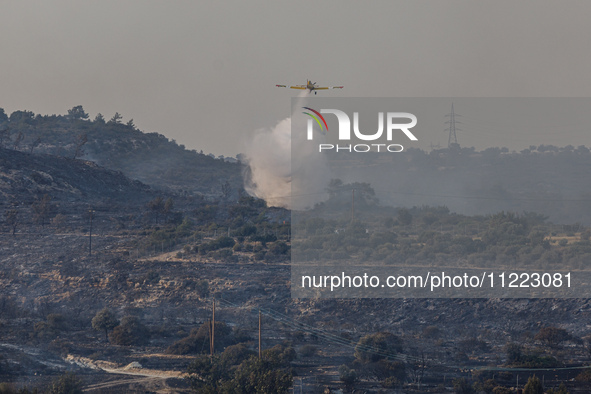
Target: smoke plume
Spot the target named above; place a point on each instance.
(283, 179)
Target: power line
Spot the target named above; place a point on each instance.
(291, 322)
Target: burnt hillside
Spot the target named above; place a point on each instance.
(149, 157)
(24, 176)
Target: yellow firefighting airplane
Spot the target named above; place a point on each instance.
(310, 86)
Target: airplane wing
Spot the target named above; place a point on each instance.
(328, 87)
(301, 87)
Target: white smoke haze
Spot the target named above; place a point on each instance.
(268, 157)
(283, 180)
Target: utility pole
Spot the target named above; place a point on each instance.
(210, 349)
(213, 329)
(259, 334)
(90, 214)
(452, 139)
(352, 205)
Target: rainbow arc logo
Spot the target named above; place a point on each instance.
(316, 115)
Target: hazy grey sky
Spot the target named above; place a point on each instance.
(203, 72)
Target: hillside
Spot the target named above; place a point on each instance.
(52, 290)
(550, 180)
(24, 176)
(546, 179)
(157, 260)
(149, 157)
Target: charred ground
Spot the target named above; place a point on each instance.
(159, 258)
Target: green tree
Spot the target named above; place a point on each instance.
(348, 376)
(202, 288)
(156, 204)
(505, 228)
(156, 207)
(67, 383)
(552, 336)
(252, 376)
(514, 353)
(129, 332)
(168, 207)
(362, 192)
(105, 320)
(99, 118)
(116, 119)
(533, 386)
(12, 219)
(560, 390)
(44, 331)
(56, 321)
(404, 217)
(375, 347)
(333, 186)
(3, 116)
(198, 336)
(26, 117)
(502, 390)
(207, 375)
(486, 386)
(385, 369)
(235, 354)
(461, 386)
(77, 112)
(279, 355)
(256, 376)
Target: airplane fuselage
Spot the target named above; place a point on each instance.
(309, 86)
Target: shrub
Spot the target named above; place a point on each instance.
(57, 321)
(130, 332)
(235, 354)
(198, 340)
(533, 386)
(219, 243)
(260, 376)
(202, 288)
(348, 376)
(67, 383)
(278, 248)
(552, 336)
(308, 350)
(374, 347)
(390, 383)
(461, 386)
(584, 376)
(279, 355)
